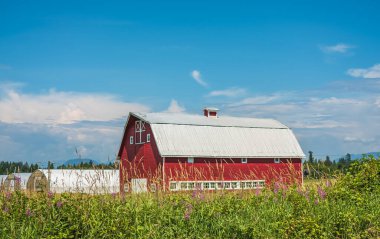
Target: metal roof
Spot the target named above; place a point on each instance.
(223, 121)
(184, 135)
(86, 181)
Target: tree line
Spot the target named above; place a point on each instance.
(16, 167)
(317, 168)
(24, 167)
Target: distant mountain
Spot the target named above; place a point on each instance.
(78, 161)
(359, 156)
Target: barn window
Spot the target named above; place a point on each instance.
(148, 138)
(139, 130)
(244, 160)
(183, 185)
(212, 185)
(153, 187)
(173, 186)
(277, 160)
(126, 187)
(131, 140)
(190, 160)
(206, 185)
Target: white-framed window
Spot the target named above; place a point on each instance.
(215, 185)
(148, 138)
(153, 187)
(131, 140)
(139, 131)
(126, 187)
(244, 160)
(277, 160)
(173, 186)
(190, 160)
(184, 185)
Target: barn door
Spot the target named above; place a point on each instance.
(139, 185)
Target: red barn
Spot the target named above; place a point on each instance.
(183, 152)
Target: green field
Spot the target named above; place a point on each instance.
(346, 207)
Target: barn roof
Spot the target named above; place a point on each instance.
(186, 135)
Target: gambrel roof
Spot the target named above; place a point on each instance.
(186, 135)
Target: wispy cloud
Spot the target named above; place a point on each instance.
(325, 121)
(231, 92)
(56, 107)
(370, 73)
(174, 107)
(338, 48)
(198, 77)
(51, 125)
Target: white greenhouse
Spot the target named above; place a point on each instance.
(16, 181)
(93, 181)
(2, 179)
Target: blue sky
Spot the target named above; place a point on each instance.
(70, 71)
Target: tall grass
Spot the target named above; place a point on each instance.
(347, 208)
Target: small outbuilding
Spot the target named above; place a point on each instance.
(2, 179)
(92, 181)
(16, 181)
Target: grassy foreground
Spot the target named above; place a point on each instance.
(347, 208)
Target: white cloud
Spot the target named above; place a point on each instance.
(62, 107)
(174, 107)
(231, 92)
(370, 73)
(198, 78)
(338, 48)
(325, 121)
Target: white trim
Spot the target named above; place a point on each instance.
(244, 160)
(147, 138)
(215, 185)
(130, 139)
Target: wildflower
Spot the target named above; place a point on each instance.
(276, 187)
(202, 197)
(257, 192)
(5, 209)
(18, 180)
(114, 195)
(188, 211)
(50, 194)
(316, 201)
(8, 195)
(328, 183)
(321, 193)
(194, 194)
(28, 212)
(306, 195)
(59, 204)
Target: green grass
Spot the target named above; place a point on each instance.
(345, 209)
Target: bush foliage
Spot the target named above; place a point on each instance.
(347, 207)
